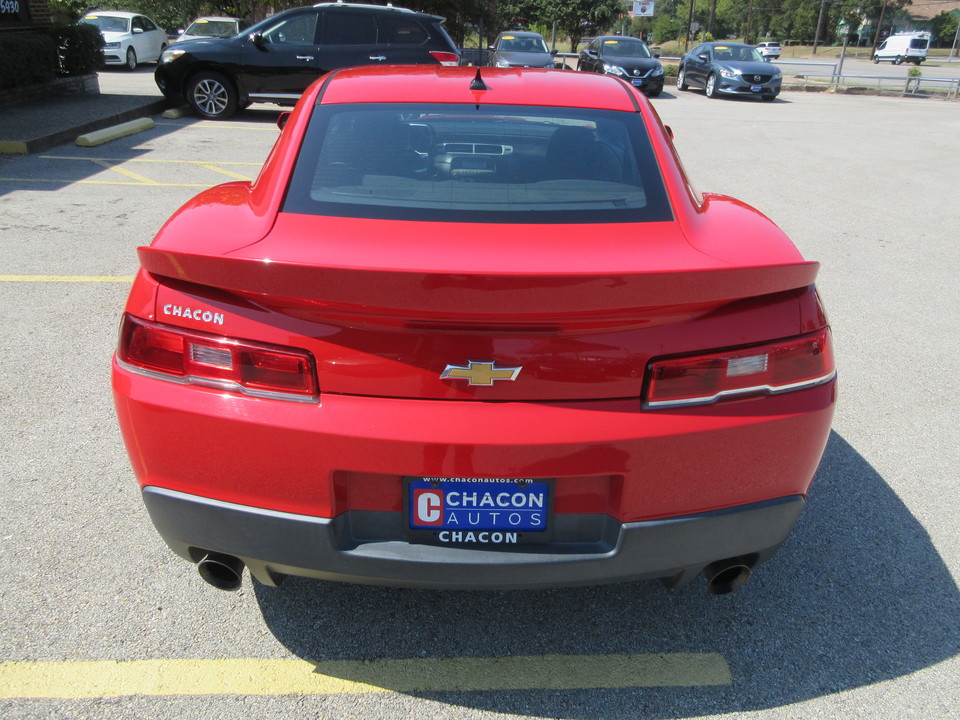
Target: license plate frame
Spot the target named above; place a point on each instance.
(488, 512)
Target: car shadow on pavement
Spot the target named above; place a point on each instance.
(857, 595)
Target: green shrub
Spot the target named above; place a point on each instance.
(26, 59)
(81, 49)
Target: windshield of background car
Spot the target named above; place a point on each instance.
(467, 163)
(108, 23)
(529, 44)
(621, 48)
(212, 28)
(736, 53)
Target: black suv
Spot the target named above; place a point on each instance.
(276, 59)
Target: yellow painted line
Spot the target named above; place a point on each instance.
(126, 173)
(68, 278)
(149, 160)
(104, 182)
(208, 125)
(224, 171)
(12, 147)
(101, 679)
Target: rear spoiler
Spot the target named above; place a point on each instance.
(411, 292)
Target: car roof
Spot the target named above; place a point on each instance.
(218, 18)
(381, 8)
(112, 13)
(520, 33)
(605, 38)
(503, 86)
(727, 44)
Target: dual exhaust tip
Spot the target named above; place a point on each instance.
(725, 576)
(225, 572)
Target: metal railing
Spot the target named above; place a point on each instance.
(948, 88)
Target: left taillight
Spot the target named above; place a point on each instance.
(191, 357)
(445, 58)
(783, 366)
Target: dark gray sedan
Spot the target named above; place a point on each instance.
(521, 49)
(722, 68)
(625, 57)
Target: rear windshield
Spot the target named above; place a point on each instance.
(918, 44)
(467, 163)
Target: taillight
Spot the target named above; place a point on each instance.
(778, 367)
(445, 58)
(191, 357)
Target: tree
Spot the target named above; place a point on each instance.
(944, 28)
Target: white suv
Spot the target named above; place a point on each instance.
(769, 50)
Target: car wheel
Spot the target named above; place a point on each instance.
(711, 87)
(917, 62)
(654, 93)
(131, 59)
(211, 95)
(876, 59)
(681, 79)
(898, 60)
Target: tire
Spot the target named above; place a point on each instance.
(131, 63)
(211, 95)
(681, 79)
(654, 93)
(898, 60)
(917, 62)
(711, 87)
(769, 98)
(876, 59)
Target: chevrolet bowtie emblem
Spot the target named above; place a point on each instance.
(480, 373)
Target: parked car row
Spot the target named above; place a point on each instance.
(218, 65)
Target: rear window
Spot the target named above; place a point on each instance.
(918, 44)
(466, 163)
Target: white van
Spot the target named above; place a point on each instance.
(911, 47)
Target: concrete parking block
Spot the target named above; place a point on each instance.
(99, 137)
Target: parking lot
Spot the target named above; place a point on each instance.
(858, 615)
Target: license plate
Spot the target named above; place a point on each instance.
(477, 511)
(638, 83)
(756, 88)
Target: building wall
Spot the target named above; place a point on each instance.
(24, 15)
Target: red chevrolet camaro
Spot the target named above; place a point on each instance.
(473, 329)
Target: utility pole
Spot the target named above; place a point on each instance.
(816, 38)
(876, 38)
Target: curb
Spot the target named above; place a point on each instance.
(67, 135)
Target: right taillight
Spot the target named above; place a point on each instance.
(190, 357)
(778, 367)
(445, 58)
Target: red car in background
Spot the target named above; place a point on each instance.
(460, 333)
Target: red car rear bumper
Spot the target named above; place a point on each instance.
(316, 489)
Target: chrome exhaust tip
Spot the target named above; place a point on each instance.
(224, 572)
